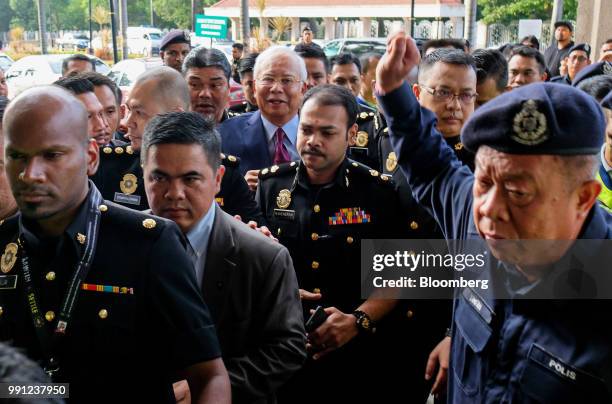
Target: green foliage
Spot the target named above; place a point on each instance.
(25, 14)
(174, 13)
(505, 11)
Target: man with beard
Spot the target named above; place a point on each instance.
(67, 297)
(560, 47)
(321, 208)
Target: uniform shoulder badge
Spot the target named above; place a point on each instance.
(129, 184)
(529, 125)
(278, 169)
(149, 223)
(283, 200)
(362, 138)
(229, 160)
(391, 162)
(8, 258)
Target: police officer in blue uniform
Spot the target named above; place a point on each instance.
(117, 327)
(534, 179)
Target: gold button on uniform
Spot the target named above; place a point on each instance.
(103, 313)
(1, 311)
(349, 240)
(50, 276)
(103, 208)
(316, 208)
(316, 290)
(314, 236)
(49, 315)
(414, 225)
(314, 265)
(409, 314)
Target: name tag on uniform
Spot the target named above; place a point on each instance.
(8, 281)
(284, 214)
(124, 198)
(478, 304)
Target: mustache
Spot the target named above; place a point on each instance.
(314, 152)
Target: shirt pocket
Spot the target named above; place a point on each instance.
(549, 379)
(469, 342)
(110, 320)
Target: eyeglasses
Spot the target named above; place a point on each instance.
(285, 82)
(579, 59)
(443, 95)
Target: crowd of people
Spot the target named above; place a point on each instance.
(161, 246)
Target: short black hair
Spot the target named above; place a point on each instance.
(490, 63)
(532, 40)
(506, 50)
(609, 40)
(307, 51)
(183, 128)
(345, 59)
(458, 44)
(527, 52)
(365, 60)
(247, 63)
(597, 87)
(4, 102)
(98, 80)
(445, 55)
(203, 57)
(330, 95)
(77, 56)
(75, 84)
(238, 46)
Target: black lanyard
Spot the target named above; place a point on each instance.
(49, 343)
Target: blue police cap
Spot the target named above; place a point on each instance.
(540, 118)
(581, 47)
(595, 69)
(607, 101)
(175, 36)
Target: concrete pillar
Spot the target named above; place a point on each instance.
(295, 28)
(407, 21)
(366, 27)
(593, 24)
(236, 35)
(481, 35)
(330, 28)
(263, 26)
(437, 27)
(457, 27)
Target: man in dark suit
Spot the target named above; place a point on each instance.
(247, 280)
(268, 136)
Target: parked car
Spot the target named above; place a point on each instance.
(5, 61)
(74, 42)
(36, 70)
(356, 46)
(125, 72)
(144, 40)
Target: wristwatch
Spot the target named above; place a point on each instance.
(365, 325)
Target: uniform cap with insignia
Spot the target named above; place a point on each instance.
(540, 118)
(592, 70)
(175, 36)
(581, 47)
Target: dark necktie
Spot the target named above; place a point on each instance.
(281, 154)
